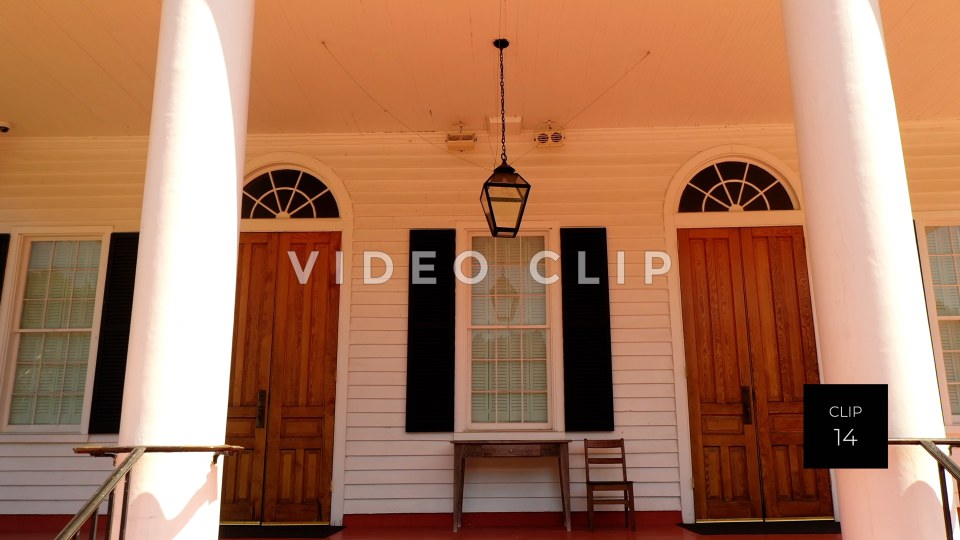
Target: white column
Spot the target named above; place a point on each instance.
(871, 318)
(178, 365)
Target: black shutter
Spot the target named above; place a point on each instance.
(4, 249)
(587, 355)
(431, 331)
(114, 333)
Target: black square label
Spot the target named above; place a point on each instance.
(845, 426)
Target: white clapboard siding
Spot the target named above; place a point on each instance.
(46, 477)
(612, 178)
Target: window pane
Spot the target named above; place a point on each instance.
(25, 380)
(64, 254)
(81, 314)
(41, 254)
(535, 344)
(71, 409)
(536, 408)
(509, 376)
(483, 375)
(482, 310)
(482, 408)
(78, 348)
(88, 255)
(46, 410)
(508, 344)
(37, 281)
(32, 315)
(943, 270)
(21, 410)
(536, 375)
(55, 316)
(954, 399)
(61, 283)
(31, 348)
(950, 336)
(535, 310)
(948, 299)
(75, 376)
(484, 343)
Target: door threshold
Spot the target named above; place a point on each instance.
(819, 518)
(294, 523)
(276, 524)
(730, 520)
(767, 520)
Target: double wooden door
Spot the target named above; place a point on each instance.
(283, 379)
(750, 348)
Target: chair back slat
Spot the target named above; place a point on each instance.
(605, 461)
(603, 443)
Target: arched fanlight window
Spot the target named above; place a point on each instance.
(287, 193)
(734, 186)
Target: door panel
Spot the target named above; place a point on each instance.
(304, 382)
(726, 474)
(249, 373)
(783, 347)
(285, 344)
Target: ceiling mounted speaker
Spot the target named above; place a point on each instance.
(549, 134)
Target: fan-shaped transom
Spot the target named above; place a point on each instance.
(734, 186)
(287, 193)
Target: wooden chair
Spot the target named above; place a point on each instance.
(601, 456)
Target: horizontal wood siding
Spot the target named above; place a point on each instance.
(46, 477)
(614, 178)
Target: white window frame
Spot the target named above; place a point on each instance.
(10, 307)
(921, 222)
(462, 418)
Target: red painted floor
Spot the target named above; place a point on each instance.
(658, 532)
(47, 529)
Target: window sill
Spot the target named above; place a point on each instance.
(66, 438)
(526, 435)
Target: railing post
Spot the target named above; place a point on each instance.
(946, 501)
(110, 500)
(93, 525)
(123, 507)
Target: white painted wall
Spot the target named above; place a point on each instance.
(616, 178)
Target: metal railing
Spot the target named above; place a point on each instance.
(90, 511)
(945, 464)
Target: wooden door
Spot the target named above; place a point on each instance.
(748, 321)
(724, 441)
(283, 380)
(784, 352)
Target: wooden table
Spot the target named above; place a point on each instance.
(509, 449)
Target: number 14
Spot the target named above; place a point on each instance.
(846, 438)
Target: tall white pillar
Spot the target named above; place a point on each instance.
(872, 322)
(178, 365)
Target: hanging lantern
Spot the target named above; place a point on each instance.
(505, 193)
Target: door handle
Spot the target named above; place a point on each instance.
(747, 401)
(261, 408)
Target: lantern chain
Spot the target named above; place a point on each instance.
(503, 115)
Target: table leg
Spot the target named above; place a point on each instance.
(458, 465)
(565, 483)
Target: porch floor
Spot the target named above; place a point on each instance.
(650, 532)
(47, 529)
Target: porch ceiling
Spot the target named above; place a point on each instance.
(86, 67)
